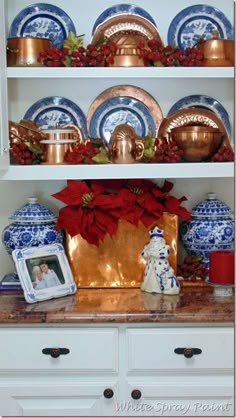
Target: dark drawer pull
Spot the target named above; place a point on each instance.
(108, 393)
(188, 352)
(136, 394)
(55, 352)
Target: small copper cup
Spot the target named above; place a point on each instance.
(55, 151)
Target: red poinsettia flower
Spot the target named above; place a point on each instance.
(89, 210)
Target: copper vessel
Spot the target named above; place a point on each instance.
(125, 146)
(63, 132)
(24, 51)
(217, 52)
(197, 142)
(55, 151)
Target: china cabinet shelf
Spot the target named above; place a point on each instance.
(121, 72)
(116, 171)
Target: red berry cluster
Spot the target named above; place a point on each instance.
(224, 154)
(21, 154)
(91, 56)
(192, 269)
(167, 151)
(154, 54)
(81, 154)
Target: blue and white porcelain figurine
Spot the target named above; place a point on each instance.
(211, 228)
(33, 225)
(158, 276)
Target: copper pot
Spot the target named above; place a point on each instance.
(24, 51)
(217, 52)
(55, 151)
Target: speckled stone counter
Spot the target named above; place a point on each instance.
(195, 305)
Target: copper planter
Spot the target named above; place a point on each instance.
(117, 262)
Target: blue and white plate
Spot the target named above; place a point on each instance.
(118, 9)
(204, 102)
(55, 110)
(42, 20)
(198, 21)
(118, 110)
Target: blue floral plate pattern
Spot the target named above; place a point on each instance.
(204, 102)
(55, 110)
(198, 21)
(122, 9)
(42, 20)
(118, 110)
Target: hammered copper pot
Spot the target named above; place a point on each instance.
(24, 51)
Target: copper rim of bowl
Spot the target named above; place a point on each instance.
(193, 128)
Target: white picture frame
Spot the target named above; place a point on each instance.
(44, 272)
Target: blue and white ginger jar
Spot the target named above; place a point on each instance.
(33, 225)
(211, 228)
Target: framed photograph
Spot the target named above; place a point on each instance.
(44, 272)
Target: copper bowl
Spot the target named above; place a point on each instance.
(217, 52)
(24, 51)
(197, 142)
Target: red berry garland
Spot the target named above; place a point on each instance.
(167, 152)
(192, 269)
(224, 154)
(91, 56)
(155, 54)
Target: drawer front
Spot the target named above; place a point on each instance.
(89, 349)
(31, 400)
(152, 349)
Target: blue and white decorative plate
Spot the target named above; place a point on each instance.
(118, 9)
(42, 20)
(118, 110)
(204, 102)
(55, 110)
(195, 22)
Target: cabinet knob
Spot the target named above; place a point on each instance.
(108, 393)
(136, 394)
(55, 352)
(188, 352)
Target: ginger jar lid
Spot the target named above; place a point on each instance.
(211, 207)
(33, 212)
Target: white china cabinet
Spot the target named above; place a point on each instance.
(19, 89)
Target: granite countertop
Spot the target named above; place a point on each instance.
(194, 304)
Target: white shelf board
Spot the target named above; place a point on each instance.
(117, 171)
(121, 72)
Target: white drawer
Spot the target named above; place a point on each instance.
(154, 349)
(89, 349)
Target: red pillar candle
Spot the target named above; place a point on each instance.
(221, 267)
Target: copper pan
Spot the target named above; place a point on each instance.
(24, 51)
